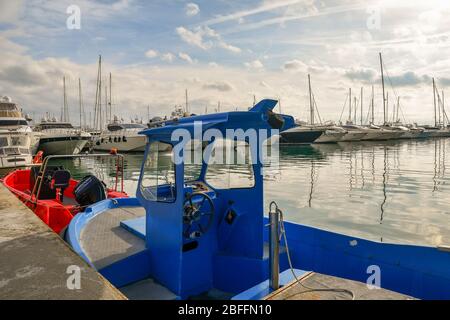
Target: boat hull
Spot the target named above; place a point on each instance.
(132, 144)
(330, 137)
(54, 213)
(62, 145)
(293, 136)
(15, 161)
(353, 136)
(310, 249)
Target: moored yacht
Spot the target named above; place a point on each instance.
(123, 136)
(354, 133)
(17, 141)
(301, 134)
(58, 138)
(331, 134)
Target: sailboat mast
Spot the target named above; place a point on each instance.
(373, 105)
(99, 109)
(361, 103)
(398, 109)
(110, 97)
(434, 103)
(187, 105)
(79, 100)
(106, 103)
(94, 122)
(64, 116)
(311, 106)
(382, 84)
(387, 106)
(350, 105)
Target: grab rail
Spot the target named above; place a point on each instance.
(39, 179)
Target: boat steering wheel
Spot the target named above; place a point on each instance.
(198, 215)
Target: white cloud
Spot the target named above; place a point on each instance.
(295, 66)
(219, 86)
(196, 37)
(229, 47)
(184, 56)
(151, 54)
(168, 57)
(265, 7)
(192, 9)
(205, 38)
(255, 64)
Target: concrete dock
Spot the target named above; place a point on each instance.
(35, 263)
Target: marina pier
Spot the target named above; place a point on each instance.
(36, 263)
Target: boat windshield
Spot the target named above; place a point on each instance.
(18, 140)
(55, 125)
(3, 141)
(14, 122)
(230, 165)
(158, 176)
(124, 126)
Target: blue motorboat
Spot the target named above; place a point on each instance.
(196, 230)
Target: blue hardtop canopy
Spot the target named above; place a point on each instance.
(221, 121)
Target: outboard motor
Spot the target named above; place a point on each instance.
(89, 191)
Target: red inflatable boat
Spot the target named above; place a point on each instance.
(55, 197)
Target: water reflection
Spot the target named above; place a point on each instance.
(393, 192)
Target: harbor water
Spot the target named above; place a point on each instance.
(394, 192)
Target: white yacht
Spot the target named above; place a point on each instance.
(332, 134)
(58, 137)
(354, 132)
(17, 140)
(123, 136)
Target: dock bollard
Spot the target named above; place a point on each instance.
(274, 249)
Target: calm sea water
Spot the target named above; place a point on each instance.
(389, 191)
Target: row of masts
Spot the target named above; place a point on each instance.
(103, 112)
(440, 114)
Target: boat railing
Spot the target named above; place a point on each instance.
(43, 167)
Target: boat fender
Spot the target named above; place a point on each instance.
(38, 157)
(115, 139)
(124, 139)
(110, 139)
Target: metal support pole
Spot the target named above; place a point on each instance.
(274, 249)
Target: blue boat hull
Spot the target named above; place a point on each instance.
(421, 272)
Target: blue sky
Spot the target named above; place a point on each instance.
(224, 51)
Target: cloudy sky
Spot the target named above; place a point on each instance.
(227, 51)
